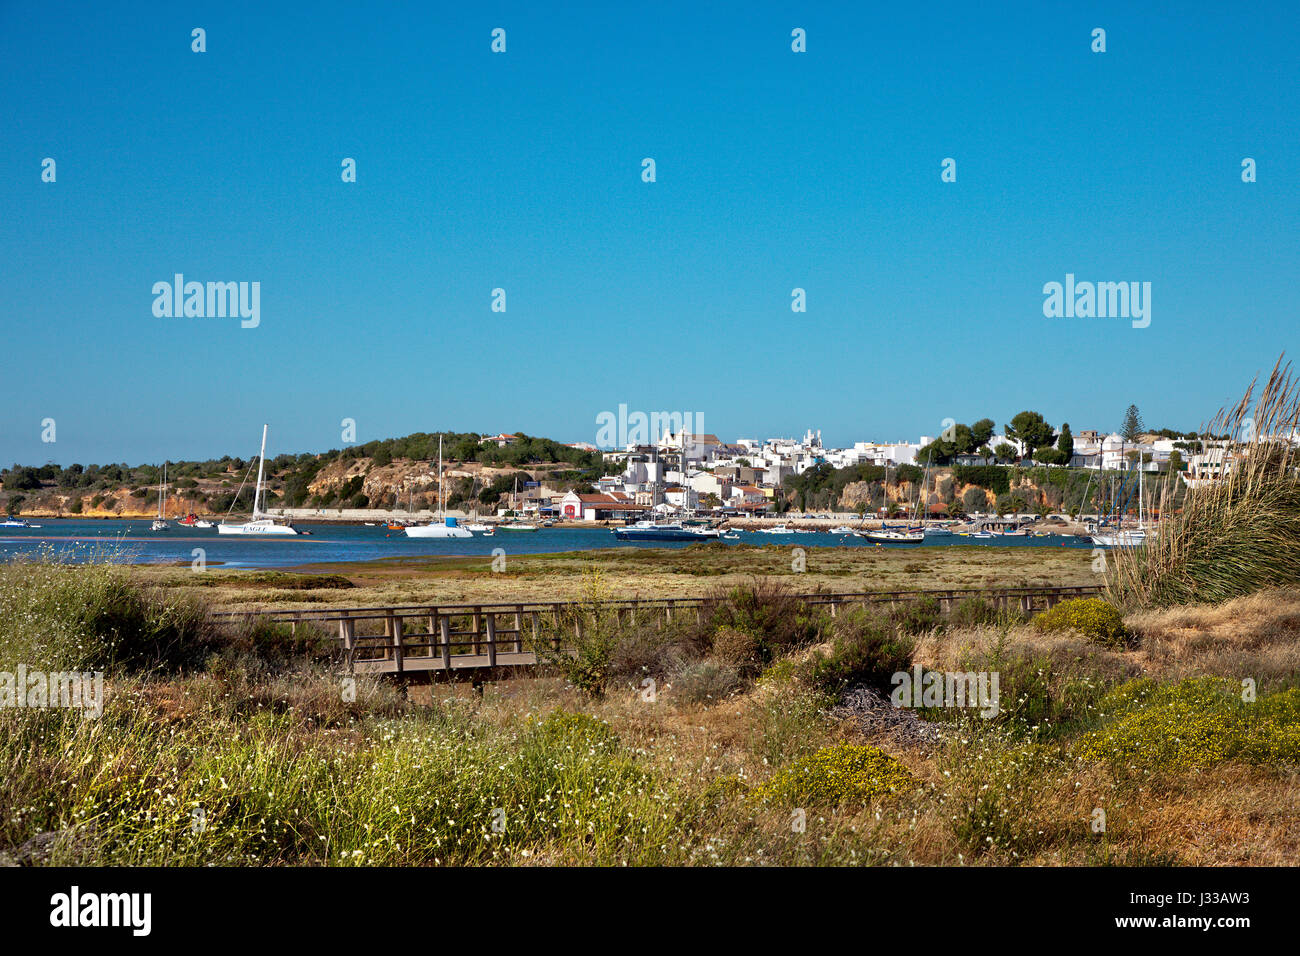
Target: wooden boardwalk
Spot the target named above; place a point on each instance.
(419, 641)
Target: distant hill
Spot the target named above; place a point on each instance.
(377, 474)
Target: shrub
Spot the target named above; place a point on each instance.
(973, 612)
(865, 650)
(1196, 723)
(645, 650)
(919, 616)
(706, 682)
(738, 648)
(1094, 618)
(777, 620)
(844, 773)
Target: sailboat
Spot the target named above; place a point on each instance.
(159, 523)
(1130, 538)
(448, 528)
(261, 523)
(517, 525)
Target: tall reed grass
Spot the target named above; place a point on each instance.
(1233, 537)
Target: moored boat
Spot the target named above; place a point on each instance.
(260, 523)
(448, 527)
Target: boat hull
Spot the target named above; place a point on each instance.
(261, 528)
(1120, 539)
(437, 531)
(893, 537)
(660, 534)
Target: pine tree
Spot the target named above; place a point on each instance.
(1132, 429)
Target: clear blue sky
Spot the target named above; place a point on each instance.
(775, 170)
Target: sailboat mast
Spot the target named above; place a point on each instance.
(442, 501)
(261, 462)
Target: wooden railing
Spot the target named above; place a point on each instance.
(419, 639)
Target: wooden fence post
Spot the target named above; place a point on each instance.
(492, 639)
(444, 636)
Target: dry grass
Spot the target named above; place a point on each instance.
(634, 572)
(1254, 636)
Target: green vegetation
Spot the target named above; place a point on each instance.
(833, 776)
(1094, 618)
(867, 650)
(1196, 723)
(290, 475)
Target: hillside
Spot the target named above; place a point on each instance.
(380, 474)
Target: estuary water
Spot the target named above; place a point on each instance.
(133, 541)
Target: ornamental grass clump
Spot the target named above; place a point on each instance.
(1232, 536)
(836, 776)
(1193, 724)
(1094, 618)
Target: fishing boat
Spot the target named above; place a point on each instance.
(261, 523)
(448, 528)
(895, 537)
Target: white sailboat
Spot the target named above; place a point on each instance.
(517, 525)
(261, 523)
(442, 526)
(159, 523)
(1122, 538)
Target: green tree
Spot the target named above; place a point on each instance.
(1065, 443)
(1032, 431)
(981, 432)
(1132, 428)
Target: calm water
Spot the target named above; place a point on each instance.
(133, 541)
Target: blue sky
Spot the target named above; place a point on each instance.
(522, 171)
